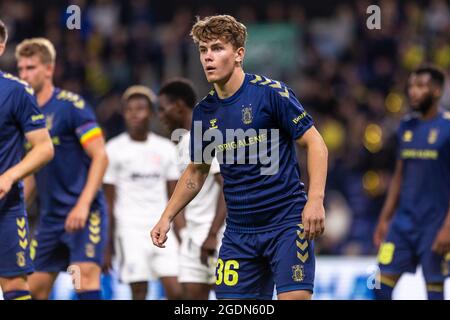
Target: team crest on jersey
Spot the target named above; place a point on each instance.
(247, 116)
(432, 136)
(49, 121)
(298, 273)
(407, 136)
(20, 259)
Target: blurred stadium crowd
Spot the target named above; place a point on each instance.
(351, 79)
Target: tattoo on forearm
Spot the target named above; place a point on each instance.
(191, 184)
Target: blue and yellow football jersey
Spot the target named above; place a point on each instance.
(424, 148)
(255, 201)
(72, 124)
(253, 134)
(19, 114)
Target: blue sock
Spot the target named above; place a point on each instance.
(385, 291)
(89, 295)
(435, 291)
(17, 295)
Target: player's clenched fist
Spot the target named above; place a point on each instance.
(159, 232)
(5, 184)
(313, 218)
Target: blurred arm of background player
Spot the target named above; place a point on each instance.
(179, 223)
(390, 205)
(188, 186)
(41, 152)
(110, 196)
(209, 246)
(441, 244)
(313, 215)
(77, 217)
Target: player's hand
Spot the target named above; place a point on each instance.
(76, 220)
(441, 244)
(6, 183)
(159, 232)
(380, 232)
(313, 218)
(208, 249)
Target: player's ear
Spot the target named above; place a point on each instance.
(2, 48)
(49, 68)
(240, 53)
(436, 91)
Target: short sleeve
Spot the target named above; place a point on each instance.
(172, 172)
(84, 122)
(198, 142)
(290, 114)
(112, 171)
(26, 111)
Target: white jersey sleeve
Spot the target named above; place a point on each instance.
(111, 173)
(172, 172)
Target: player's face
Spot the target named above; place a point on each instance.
(34, 71)
(137, 114)
(167, 112)
(420, 92)
(219, 59)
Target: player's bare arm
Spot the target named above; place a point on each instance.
(389, 205)
(189, 185)
(110, 197)
(209, 246)
(41, 152)
(179, 223)
(317, 163)
(77, 217)
(441, 244)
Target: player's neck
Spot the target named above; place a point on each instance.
(431, 113)
(231, 86)
(187, 121)
(139, 136)
(45, 94)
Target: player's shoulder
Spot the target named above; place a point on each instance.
(160, 141)
(10, 83)
(269, 86)
(207, 102)
(445, 115)
(118, 141)
(409, 119)
(70, 99)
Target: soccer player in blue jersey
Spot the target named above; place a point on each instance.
(73, 220)
(414, 225)
(271, 221)
(20, 119)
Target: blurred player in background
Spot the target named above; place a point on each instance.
(73, 220)
(20, 119)
(141, 176)
(414, 226)
(206, 213)
(270, 220)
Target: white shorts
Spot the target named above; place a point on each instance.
(191, 270)
(140, 261)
